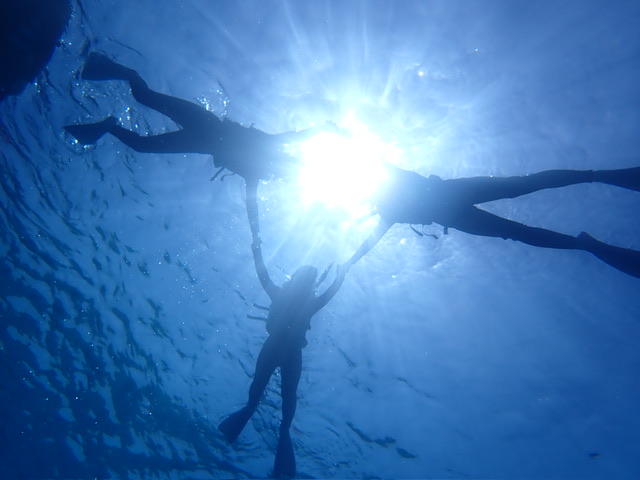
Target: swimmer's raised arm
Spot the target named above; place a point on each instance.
(330, 292)
(254, 224)
(370, 242)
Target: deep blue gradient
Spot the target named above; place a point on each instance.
(126, 278)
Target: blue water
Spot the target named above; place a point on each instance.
(126, 278)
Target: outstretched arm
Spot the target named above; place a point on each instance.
(254, 224)
(369, 243)
(334, 287)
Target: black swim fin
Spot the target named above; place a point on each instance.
(100, 67)
(234, 423)
(624, 259)
(625, 177)
(90, 133)
(285, 463)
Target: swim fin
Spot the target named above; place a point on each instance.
(624, 259)
(234, 423)
(100, 67)
(625, 177)
(285, 463)
(90, 133)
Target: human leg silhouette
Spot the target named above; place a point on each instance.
(90, 133)
(291, 369)
(475, 190)
(198, 125)
(181, 141)
(625, 178)
(186, 114)
(265, 366)
(480, 222)
(624, 259)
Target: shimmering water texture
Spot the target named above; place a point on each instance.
(129, 296)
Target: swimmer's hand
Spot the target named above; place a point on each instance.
(343, 269)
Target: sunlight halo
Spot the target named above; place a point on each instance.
(343, 170)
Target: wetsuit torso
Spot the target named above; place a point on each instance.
(408, 197)
(249, 152)
(290, 318)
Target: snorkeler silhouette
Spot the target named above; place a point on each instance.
(246, 151)
(292, 307)
(407, 197)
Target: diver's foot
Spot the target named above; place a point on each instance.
(90, 133)
(285, 463)
(234, 423)
(100, 67)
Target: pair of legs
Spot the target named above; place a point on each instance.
(199, 126)
(466, 217)
(289, 360)
(242, 150)
(451, 203)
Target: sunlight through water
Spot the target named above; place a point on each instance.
(343, 170)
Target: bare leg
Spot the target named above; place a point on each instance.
(183, 112)
(267, 362)
(291, 371)
(625, 178)
(201, 130)
(265, 365)
(233, 146)
(479, 222)
(475, 190)
(181, 141)
(285, 461)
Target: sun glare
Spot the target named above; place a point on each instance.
(343, 170)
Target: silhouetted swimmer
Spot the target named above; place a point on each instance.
(292, 307)
(247, 151)
(407, 197)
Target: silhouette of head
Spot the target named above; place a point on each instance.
(304, 279)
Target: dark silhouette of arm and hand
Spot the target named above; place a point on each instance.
(407, 197)
(371, 241)
(331, 291)
(254, 224)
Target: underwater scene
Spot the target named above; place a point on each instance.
(323, 239)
